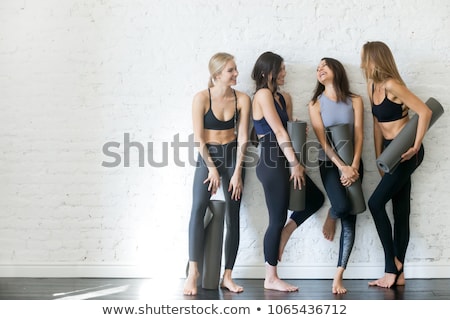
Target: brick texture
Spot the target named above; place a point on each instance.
(96, 167)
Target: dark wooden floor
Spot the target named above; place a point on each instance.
(143, 289)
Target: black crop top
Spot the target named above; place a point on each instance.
(388, 110)
(212, 123)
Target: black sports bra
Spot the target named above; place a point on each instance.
(212, 123)
(388, 110)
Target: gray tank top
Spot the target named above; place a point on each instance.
(335, 113)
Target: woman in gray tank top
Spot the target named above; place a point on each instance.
(333, 103)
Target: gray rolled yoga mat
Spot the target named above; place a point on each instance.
(340, 137)
(297, 134)
(391, 156)
(213, 245)
(210, 263)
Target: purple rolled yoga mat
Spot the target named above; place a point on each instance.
(391, 156)
(340, 137)
(297, 134)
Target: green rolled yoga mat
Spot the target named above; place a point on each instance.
(391, 156)
(297, 134)
(210, 264)
(340, 138)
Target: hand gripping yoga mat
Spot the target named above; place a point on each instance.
(297, 134)
(340, 138)
(209, 267)
(391, 156)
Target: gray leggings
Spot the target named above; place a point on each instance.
(224, 157)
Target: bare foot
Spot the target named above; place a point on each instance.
(286, 233)
(229, 284)
(279, 285)
(190, 285)
(401, 279)
(338, 285)
(329, 227)
(387, 281)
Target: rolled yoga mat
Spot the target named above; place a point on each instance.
(297, 134)
(210, 264)
(390, 158)
(213, 245)
(340, 137)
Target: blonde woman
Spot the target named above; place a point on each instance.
(220, 116)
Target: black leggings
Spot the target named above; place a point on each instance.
(395, 186)
(340, 207)
(273, 172)
(224, 157)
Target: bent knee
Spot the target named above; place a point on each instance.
(342, 210)
(374, 205)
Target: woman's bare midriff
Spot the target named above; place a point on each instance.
(391, 129)
(219, 137)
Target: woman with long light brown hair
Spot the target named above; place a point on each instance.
(391, 100)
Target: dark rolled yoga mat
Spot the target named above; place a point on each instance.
(213, 245)
(340, 137)
(210, 264)
(391, 156)
(297, 134)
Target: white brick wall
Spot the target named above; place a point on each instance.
(77, 74)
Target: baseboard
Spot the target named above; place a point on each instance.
(412, 271)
